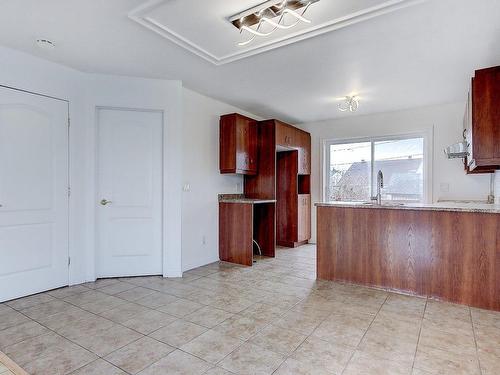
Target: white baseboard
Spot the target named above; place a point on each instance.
(200, 263)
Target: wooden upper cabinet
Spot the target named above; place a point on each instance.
(285, 135)
(483, 121)
(238, 144)
(304, 153)
(289, 137)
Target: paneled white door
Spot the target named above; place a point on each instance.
(33, 193)
(129, 192)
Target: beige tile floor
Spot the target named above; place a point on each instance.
(273, 318)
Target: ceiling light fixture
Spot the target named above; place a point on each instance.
(272, 13)
(349, 103)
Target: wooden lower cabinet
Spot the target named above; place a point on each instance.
(236, 233)
(304, 218)
(242, 223)
(452, 256)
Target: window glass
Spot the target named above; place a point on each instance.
(402, 163)
(351, 173)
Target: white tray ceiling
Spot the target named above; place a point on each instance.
(202, 27)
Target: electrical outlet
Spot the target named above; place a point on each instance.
(238, 187)
(204, 240)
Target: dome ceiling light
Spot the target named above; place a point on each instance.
(349, 103)
(264, 19)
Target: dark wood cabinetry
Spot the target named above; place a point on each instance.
(304, 218)
(281, 172)
(238, 144)
(240, 224)
(304, 146)
(482, 122)
(452, 256)
(289, 137)
(293, 201)
(284, 175)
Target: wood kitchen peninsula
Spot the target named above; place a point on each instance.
(445, 251)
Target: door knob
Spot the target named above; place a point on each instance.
(105, 202)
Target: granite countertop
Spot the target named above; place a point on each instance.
(441, 206)
(240, 198)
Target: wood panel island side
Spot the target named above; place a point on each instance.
(451, 253)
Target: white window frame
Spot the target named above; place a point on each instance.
(427, 158)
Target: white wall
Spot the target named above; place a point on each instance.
(128, 92)
(29, 73)
(447, 125)
(84, 92)
(191, 155)
(201, 171)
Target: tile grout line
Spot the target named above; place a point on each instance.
(419, 333)
(247, 341)
(366, 331)
(475, 342)
(304, 340)
(97, 315)
(238, 347)
(241, 280)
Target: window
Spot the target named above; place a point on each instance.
(352, 167)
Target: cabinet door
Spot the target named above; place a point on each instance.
(238, 145)
(285, 135)
(281, 134)
(468, 126)
(304, 217)
(304, 154)
(246, 145)
(486, 118)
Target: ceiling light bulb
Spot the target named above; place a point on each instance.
(298, 16)
(349, 103)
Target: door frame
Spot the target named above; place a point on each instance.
(68, 164)
(96, 177)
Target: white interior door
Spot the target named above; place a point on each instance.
(129, 192)
(33, 193)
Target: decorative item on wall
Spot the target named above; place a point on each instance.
(349, 103)
(264, 19)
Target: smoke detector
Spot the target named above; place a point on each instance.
(46, 44)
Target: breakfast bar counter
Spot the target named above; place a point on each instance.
(448, 251)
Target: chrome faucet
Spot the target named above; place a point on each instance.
(380, 185)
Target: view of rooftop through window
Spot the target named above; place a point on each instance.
(352, 168)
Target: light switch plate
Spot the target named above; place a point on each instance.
(444, 187)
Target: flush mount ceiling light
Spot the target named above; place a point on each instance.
(44, 43)
(266, 18)
(349, 103)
